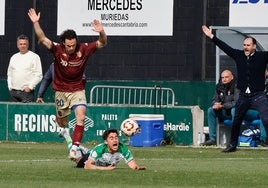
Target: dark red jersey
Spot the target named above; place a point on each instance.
(69, 69)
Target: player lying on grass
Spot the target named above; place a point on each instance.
(104, 156)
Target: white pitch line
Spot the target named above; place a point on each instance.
(34, 160)
(141, 159)
(192, 159)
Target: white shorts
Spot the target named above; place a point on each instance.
(66, 100)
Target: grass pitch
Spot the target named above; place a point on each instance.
(46, 165)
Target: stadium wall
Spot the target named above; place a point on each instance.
(185, 56)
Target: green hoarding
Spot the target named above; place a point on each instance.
(3, 122)
(36, 122)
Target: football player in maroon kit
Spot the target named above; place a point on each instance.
(70, 59)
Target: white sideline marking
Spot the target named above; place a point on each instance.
(141, 159)
(192, 159)
(34, 160)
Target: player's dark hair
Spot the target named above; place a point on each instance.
(107, 132)
(68, 34)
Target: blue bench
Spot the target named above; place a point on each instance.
(227, 124)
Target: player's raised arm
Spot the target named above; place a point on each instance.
(207, 31)
(97, 27)
(38, 30)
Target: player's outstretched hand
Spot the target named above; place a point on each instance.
(140, 168)
(33, 16)
(111, 167)
(97, 27)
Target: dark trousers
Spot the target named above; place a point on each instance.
(21, 96)
(258, 101)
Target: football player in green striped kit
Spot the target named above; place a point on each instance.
(104, 156)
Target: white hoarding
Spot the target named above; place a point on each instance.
(2, 17)
(119, 17)
(248, 13)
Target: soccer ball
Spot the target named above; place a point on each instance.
(129, 127)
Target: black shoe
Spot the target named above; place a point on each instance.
(208, 143)
(229, 149)
(263, 143)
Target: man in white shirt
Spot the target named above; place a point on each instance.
(24, 72)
